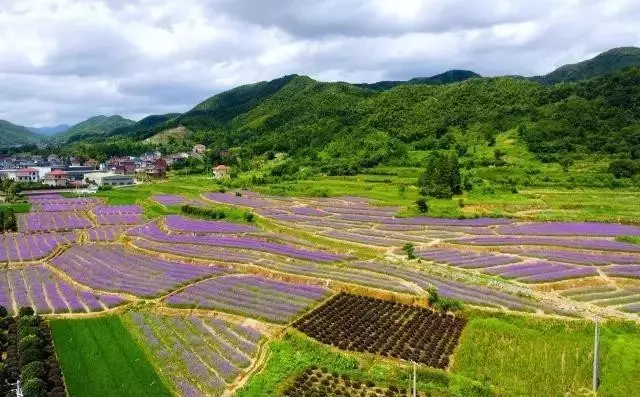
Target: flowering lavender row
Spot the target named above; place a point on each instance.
(465, 259)
(630, 271)
(542, 271)
(424, 237)
(632, 308)
(111, 268)
(29, 247)
(200, 251)
(587, 290)
(593, 244)
(474, 294)
(328, 224)
(228, 198)
(362, 239)
(218, 347)
(51, 221)
(38, 287)
(151, 231)
(308, 211)
(478, 231)
(35, 198)
(570, 229)
(609, 297)
(119, 219)
(57, 204)
(170, 199)
(105, 233)
(117, 210)
(183, 224)
(574, 256)
(250, 296)
(346, 275)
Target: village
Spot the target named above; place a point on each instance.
(59, 173)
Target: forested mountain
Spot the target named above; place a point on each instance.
(448, 77)
(609, 61)
(97, 125)
(12, 135)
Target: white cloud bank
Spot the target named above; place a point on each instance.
(66, 60)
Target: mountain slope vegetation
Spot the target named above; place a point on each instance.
(608, 61)
(12, 135)
(448, 77)
(97, 125)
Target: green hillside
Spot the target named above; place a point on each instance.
(11, 135)
(609, 61)
(97, 125)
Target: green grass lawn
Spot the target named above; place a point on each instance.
(99, 357)
(17, 207)
(540, 357)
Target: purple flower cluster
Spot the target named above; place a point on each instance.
(575, 256)
(200, 251)
(51, 221)
(465, 259)
(542, 271)
(570, 229)
(182, 224)
(105, 233)
(250, 296)
(56, 203)
(38, 287)
(151, 231)
(308, 211)
(111, 268)
(592, 244)
(29, 247)
(118, 210)
(630, 271)
(362, 239)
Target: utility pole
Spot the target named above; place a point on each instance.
(596, 341)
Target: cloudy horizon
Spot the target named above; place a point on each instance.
(63, 61)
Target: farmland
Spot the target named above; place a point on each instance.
(319, 293)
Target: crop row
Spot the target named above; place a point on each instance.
(200, 355)
(465, 259)
(376, 326)
(584, 243)
(29, 247)
(58, 204)
(542, 271)
(574, 256)
(117, 210)
(625, 299)
(181, 224)
(241, 200)
(119, 219)
(111, 268)
(250, 296)
(38, 287)
(473, 294)
(51, 221)
(151, 231)
(105, 233)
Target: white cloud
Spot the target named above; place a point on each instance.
(67, 60)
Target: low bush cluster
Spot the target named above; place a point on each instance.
(211, 213)
(8, 222)
(27, 354)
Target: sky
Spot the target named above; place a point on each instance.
(62, 61)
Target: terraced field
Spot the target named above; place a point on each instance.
(203, 300)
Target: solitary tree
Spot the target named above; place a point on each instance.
(409, 249)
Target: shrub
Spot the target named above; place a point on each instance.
(25, 331)
(29, 321)
(33, 370)
(25, 311)
(433, 296)
(248, 216)
(409, 249)
(448, 305)
(3, 312)
(29, 356)
(624, 168)
(34, 388)
(422, 205)
(29, 342)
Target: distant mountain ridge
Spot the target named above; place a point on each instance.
(448, 77)
(608, 61)
(50, 131)
(94, 126)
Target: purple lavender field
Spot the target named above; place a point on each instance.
(105, 233)
(465, 258)
(250, 296)
(111, 268)
(40, 288)
(151, 231)
(52, 221)
(181, 224)
(569, 229)
(200, 353)
(19, 247)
